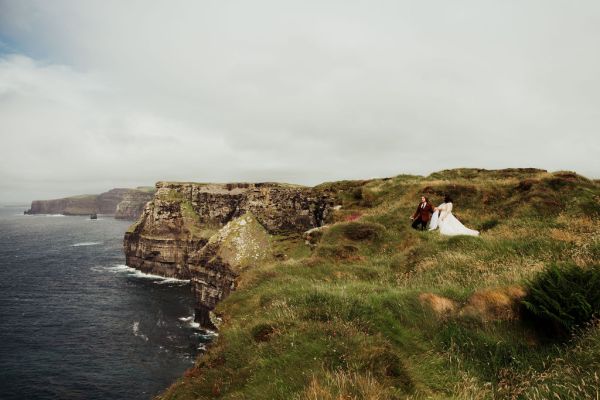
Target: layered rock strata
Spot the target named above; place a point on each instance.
(209, 233)
(122, 203)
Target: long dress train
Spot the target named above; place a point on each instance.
(448, 224)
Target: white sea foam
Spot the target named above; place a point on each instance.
(135, 273)
(164, 280)
(136, 331)
(205, 333)
(42, 215)
(118, 268)
(86, 244)
(210, 334)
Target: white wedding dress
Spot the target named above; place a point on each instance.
(448, 223)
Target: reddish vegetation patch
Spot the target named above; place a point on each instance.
(352, 217)
(193, 372)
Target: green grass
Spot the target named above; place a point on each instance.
(342, 319)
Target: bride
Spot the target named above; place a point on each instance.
(448, 224)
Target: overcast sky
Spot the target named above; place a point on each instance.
(102, 94)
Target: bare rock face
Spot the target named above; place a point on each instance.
(240, 244)
(107, 202)
(132, 204)
(209, 233)
(278, 207)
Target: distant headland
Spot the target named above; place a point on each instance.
(122, 203)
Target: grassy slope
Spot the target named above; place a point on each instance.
(343, 320)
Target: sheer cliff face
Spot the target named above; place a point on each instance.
(210, 232)
(77, 205)
(122, 203)
(131, 204)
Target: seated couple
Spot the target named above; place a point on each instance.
(439, 217)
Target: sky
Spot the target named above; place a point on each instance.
(118, 93)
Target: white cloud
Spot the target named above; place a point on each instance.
(120, 93)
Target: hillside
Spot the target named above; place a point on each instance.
(368, 308)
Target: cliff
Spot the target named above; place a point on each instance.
(131, 204)
(369, 308)
(122, 203)
(209, 232)
(76, 205)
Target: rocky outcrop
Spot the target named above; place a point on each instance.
(214, 269)
(209, 233)
(122, 203)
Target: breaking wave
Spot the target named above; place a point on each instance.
(136, 331)
(135, 273)
(86, 244)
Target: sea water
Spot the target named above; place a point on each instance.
(76, 323)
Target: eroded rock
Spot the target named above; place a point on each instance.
(214, 269)
(209, 233)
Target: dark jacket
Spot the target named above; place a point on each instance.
(423, 212)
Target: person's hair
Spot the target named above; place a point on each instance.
(447, 199)
(426, 199)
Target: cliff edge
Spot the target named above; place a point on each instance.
(365, 307)
(209, 233)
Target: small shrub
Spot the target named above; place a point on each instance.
(367, 198)
(526, 184)
(262, 332)
(590, 207)
(489, 224)
(563, 298)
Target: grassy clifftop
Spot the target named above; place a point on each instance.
(368, 308)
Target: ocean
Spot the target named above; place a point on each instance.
(76, 323)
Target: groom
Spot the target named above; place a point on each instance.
(423, 214)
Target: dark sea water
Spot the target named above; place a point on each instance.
(75, 323)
